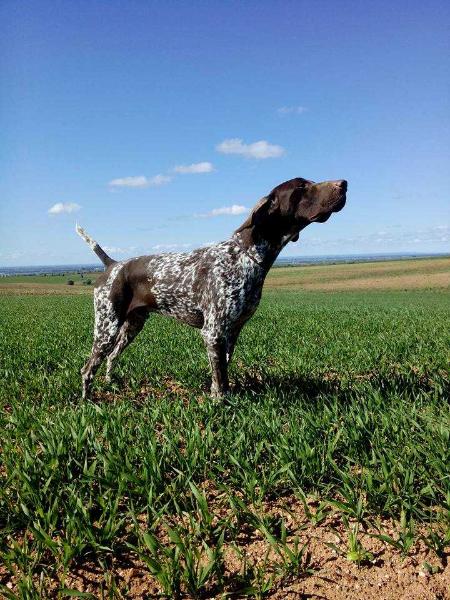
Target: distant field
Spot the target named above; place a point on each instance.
(52, 279)
(428, 273)
(400, 274)
(326, 474)
(48, 284)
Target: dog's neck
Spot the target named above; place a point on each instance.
(261, 250)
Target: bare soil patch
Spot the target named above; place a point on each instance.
(326, 572)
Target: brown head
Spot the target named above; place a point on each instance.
(293, 205)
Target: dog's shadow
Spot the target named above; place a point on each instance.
(288, 387)
(294, 386)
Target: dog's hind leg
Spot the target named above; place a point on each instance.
(107, 327)
(132, 326)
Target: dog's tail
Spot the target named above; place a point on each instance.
(106, 260)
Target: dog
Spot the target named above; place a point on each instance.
(215, 289)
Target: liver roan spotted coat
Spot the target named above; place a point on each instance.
(216, 288)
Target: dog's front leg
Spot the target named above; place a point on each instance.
(219, 369)
(216, 348)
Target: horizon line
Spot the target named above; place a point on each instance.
(282, 258)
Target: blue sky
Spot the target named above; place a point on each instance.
(141, 121)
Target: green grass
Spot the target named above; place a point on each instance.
(341, 396)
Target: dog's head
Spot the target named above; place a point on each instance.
(296, 203)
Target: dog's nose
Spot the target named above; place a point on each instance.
(342, 183)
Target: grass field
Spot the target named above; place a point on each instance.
(327, 468)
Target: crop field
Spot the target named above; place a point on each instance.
(324, 475)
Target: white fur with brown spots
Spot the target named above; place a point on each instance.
(216, 289)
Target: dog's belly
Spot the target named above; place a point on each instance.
(190, 316)
(179, 304)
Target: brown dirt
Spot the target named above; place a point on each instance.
(326, 573)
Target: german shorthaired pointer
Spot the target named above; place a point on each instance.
(216, 289)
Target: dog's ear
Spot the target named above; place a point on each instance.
(265, 207)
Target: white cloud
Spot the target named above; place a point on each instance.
(291, 110)
(63, 207)
(234, 209)
(258, 150)
(140, 181)
(201, 167)
(168, 247)
(137, 182)
(381, 239)
(118, 250)
(159, 180)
